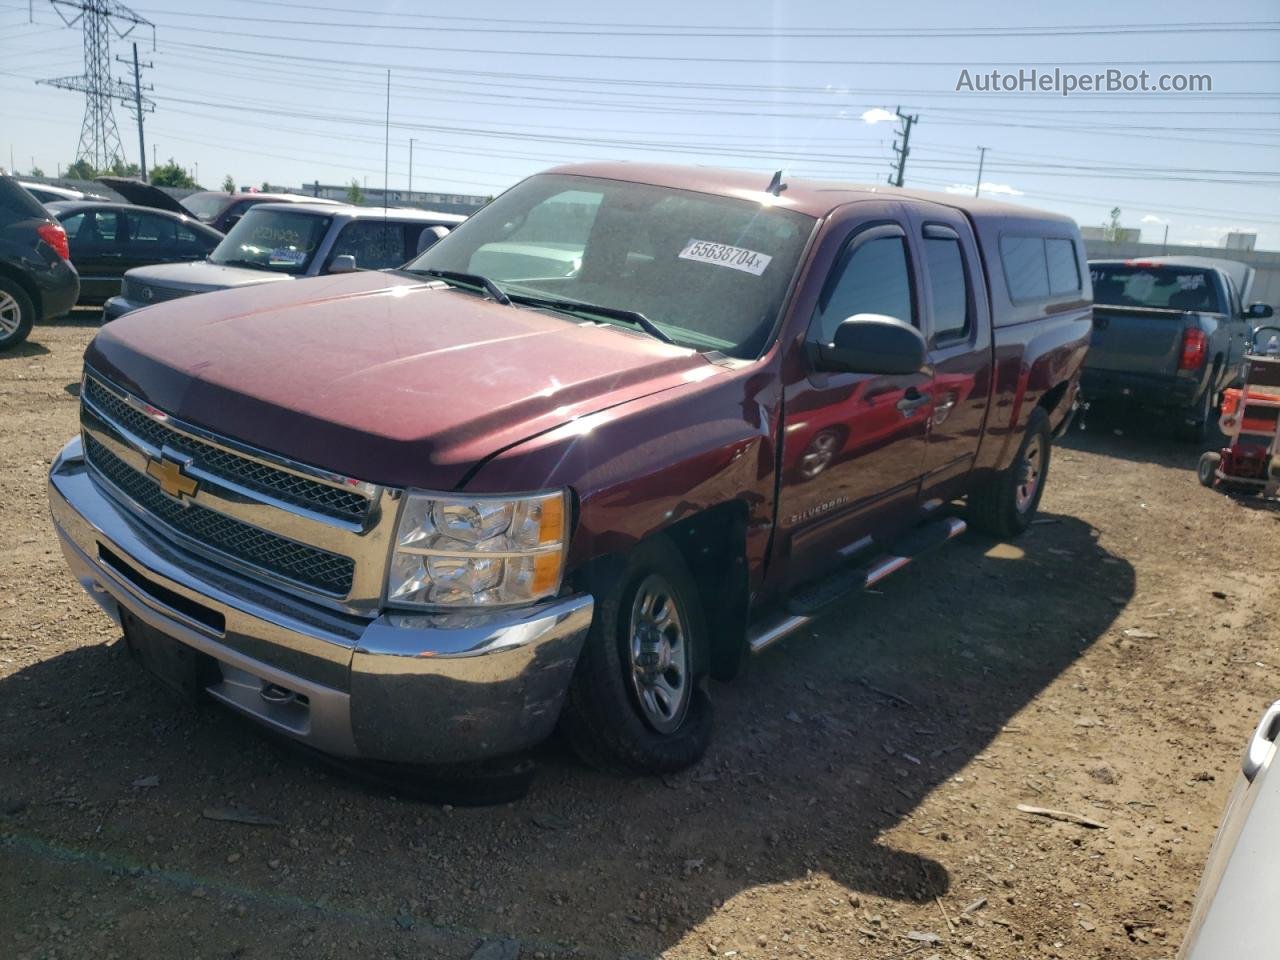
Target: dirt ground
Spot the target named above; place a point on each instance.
(859, 799)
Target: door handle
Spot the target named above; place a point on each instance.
(912, 401)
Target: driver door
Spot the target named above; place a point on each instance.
(854, 445)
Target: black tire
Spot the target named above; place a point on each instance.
(999, 506)
(604, 720)
(1207, 469)
(1195, 428)
(13, 299)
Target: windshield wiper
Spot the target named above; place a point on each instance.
(251, 264)
(474, 279)
(613, 313)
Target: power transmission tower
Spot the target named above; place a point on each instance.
(98, 20)
(895, 178)
(141, 105)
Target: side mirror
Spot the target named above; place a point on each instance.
(1259, 311)
(343, 263)
(428, 238)
(872, 343)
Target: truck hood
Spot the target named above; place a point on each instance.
(378, 376)
(201, 276)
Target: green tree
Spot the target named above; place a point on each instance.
(266, 187)
(119, 168)
(36, 172)
(171, 175)
(81, 170)
(354, 193)
(229, 184)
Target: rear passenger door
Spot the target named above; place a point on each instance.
(956, 323)
(149, 238)
(93, 238)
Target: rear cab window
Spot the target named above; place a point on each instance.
(1157, 286)
(1039, 268)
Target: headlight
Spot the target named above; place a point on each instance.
(456, 551)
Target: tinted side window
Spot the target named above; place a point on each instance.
(150, 229)
(373, 243)
(1064, 273)
(875, 279)
(1024, 267)
(949, 284)
(92, 226)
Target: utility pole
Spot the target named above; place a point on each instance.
(98, 20)
(907, 122)
(982, 155)
(140, 106)
(1164, 247)
(411, 139)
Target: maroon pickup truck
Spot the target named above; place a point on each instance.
(621, 428)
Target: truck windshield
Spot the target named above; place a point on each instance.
(709, 272)
(282, 241)
(1162, 287)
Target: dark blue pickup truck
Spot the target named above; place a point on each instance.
(1169, 333)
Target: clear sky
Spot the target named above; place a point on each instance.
(291, 92)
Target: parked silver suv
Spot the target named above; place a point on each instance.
(280, 241)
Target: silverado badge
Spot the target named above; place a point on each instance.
(173, 481)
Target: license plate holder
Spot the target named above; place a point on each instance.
(183, 669)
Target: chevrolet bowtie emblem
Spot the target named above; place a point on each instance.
(168, 473)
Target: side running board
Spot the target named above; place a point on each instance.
(811, 599)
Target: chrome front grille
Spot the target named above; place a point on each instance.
(312, 532)
(299, 491)
(316, 568)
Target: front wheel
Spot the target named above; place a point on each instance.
(636, 703)
(1005, 505)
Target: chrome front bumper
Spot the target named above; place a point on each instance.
(408, 688)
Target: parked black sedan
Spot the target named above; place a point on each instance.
(107, 239)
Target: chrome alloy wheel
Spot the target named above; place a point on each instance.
(1030, 470)
(659, 655)
(10, 315)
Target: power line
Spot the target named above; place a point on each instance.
(550, 27)
(574, 54)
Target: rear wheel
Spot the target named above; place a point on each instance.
(17, 314)
(1005, 505)
(1196, 426)
(1207, 471)
(636, 703)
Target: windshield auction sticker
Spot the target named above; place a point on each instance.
(723, 255)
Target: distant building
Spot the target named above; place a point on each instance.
(1125, 234)
(1236, 240)
(373, 197)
